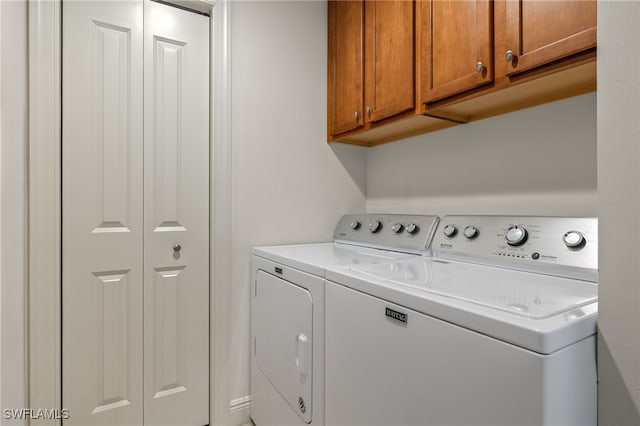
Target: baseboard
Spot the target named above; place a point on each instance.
(239, 411)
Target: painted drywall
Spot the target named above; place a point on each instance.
(13, 143)
(537, 161)
(619, 208)
(288, 184)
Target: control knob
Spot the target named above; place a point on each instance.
(470, 232)
(516, 235)
(375, 226)
(355, 224)
(412, 228)
(573, 239)
(450, 231)
(397, 228)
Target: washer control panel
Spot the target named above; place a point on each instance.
(406, 233)
(560, 246)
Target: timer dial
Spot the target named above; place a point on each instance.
(573, 239)
(355, 224)
(450, 231)
(397, 228)
(516, 235)
(470, 232)
(375, 226)
(412, 228)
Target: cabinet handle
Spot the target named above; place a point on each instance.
(368, 111)
(479, 66)
(509, 55)
(356, 115)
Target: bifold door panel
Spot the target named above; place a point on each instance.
(176, 216)
(135, 213)
(283, 314)
(102, 213)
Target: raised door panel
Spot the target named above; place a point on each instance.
(176, 215)
(456, 46)
(539, 32)
(345, 66)
(389, 58)
(102, 213)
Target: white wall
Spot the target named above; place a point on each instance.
(288, 186)
(13, 143)
(619, 207)
(537, 161)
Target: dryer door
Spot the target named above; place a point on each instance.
(284, 335)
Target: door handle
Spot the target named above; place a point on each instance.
(176, 251)
(302, 354)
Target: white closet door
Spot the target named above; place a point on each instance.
(102, 248)
(176, 215)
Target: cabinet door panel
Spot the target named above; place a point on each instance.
(539, 32)
(389, 56)
(455, 36)
(346, 72)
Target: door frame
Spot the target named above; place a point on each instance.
(44, 237)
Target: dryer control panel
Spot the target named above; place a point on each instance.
(404, 233)
(560, 246)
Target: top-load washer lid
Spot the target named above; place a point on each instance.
(315, 258)
(525, 294)
(367, 238)
(541, 313)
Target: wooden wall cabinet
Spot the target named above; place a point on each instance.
(371, 70)
(371, 62)
(542, 51)
(400, 68)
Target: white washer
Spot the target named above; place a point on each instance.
(498, 329)
(287, 309)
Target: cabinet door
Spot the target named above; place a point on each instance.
(456, 46)
(389, 58)
(345, 63)
(538, 32)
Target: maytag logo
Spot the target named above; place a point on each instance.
(398, 316)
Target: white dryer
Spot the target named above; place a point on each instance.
(287, 309)
(499, 328)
